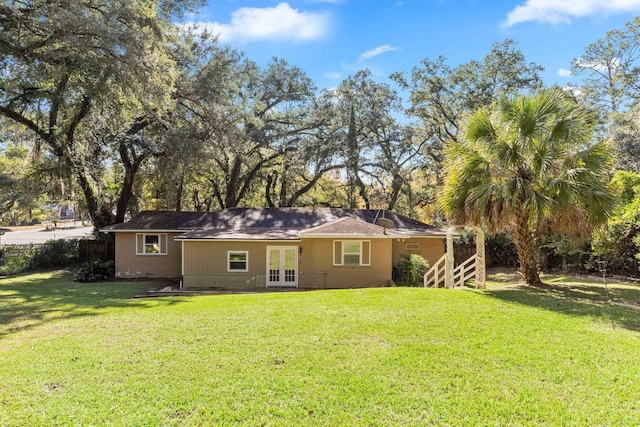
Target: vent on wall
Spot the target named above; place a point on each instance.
(413, 246)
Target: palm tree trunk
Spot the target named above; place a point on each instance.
(527, 250)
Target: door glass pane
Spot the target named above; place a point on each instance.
(290, 258)
(289, 275)
(274, 259)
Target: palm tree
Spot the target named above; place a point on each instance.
(524, 164)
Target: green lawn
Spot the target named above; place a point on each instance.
(89, 354)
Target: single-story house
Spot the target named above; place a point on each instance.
(272, 247)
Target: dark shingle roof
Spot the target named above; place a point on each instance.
(346, 226)
(271, 223)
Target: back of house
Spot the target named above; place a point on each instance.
(272, 247)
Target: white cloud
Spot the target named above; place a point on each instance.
(575, 91)
(562, 72)
(377, 51)
(600, 67)
(562, 11)
(278, 23)
(333, 75)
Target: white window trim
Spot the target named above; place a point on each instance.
(360, 242)
(140, 250)
(229, 270)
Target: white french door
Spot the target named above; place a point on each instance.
(282, 266)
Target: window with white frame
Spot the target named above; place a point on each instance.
(151, 244)
(352, 252)
(237, 261)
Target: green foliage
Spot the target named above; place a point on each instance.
(619, 243)
(94, 271)
(625, 137)
(559, 253)
(413, 268)
(54, 254)
(85, 79)
(501, 251)
(15, 261)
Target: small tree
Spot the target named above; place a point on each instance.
(526, 163)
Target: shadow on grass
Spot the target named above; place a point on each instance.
(30, 300)
(577, 297)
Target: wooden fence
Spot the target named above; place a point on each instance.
(89, 250)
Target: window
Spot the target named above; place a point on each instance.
(352, 252)
(237, 261)
(151, 244)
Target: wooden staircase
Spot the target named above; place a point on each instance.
(436, 277)
(436, 274)
(445, 274)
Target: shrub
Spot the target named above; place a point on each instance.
(413, 268)
(501, 251)
(55, 253)
(619, 243)
(559, 253)
(94, 271)
(15, 264)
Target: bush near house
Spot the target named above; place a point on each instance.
(411, 270)
(94, 271)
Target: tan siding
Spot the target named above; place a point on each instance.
(129, 264)
(431, 248)
(206, 264)
(319, 271)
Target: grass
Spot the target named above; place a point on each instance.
(88, 354)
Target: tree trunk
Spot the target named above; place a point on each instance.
(526, 247)
(100, 214)
(396, 187)
(179, 192)
(126, 193)
(363, 192)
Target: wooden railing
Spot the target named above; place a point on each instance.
(436, 274)
(465, 271)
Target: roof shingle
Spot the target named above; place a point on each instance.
(273, 223)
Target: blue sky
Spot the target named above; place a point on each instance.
(331, 39)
